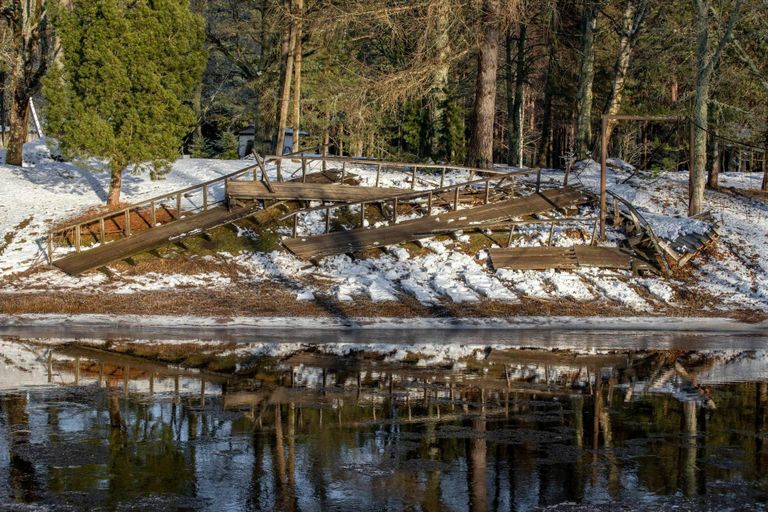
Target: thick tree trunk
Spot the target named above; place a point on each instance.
(705, 65)
(440, 80)
(18, 126)
(2, 108)
(297, 76)
(515, 106)
(115, 184)
(286, 72)
(545, 148)
(586, 78)
(481, 141)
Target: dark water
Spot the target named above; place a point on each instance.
(502, 430)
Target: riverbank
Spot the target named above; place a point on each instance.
(242, 269)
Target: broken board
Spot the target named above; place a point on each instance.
(292, 191)
(315, 247)
(543, 258)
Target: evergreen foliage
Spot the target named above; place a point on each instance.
(129, 69)
(227, 145)
(199, 147)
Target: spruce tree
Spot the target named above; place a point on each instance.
(122, 89)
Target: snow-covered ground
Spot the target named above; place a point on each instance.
(46, 192)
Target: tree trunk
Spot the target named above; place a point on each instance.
(586, 78)
(705, 64)
(286, 72)
(631, 20)
(713, 157)
(545, 150)
(764, 188)
(18, 126)
(2, 108)
(515, 107)
(297, 76)
(440, 79)
(481, 141)
(115, 184)
(31, 52)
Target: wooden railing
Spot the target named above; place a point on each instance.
(73, 233)
(410, 169)
(176, 203)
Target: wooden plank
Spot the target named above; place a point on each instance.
(253, 190)
(603, 257)
(313, 247)
(542, 258)
(76, 264)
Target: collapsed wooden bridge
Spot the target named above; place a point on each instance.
(451, 199)
(97, 241)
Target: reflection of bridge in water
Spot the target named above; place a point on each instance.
(502, 429)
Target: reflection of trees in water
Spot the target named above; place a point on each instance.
(508, 433)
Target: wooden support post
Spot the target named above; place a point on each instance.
(378, 173)
(442, 178)
(77, 238)
(102, 234)
(616, 212)
(456, 198)
(328, 220)
(551, 232)
(394, 211)
(343, 171)
(362, 215)
(178, 206)
(50, 248)
(538, 180)
(295, 224)
(322, 159)
(511, 232)
(303, 169)
(487, 191)
(153, 213)
(413, 178)
(429, 203)
(603, 173)
(205, 197)
(77, 371)
(127, 222)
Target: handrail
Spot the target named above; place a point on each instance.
(155, 199)
(383, 163)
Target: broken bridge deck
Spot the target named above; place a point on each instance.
(76, 263)
(292, 191)
(544, 258)
(318, 246)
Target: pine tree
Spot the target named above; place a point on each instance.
(227, 145)
(129, 69)
(199, 147)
